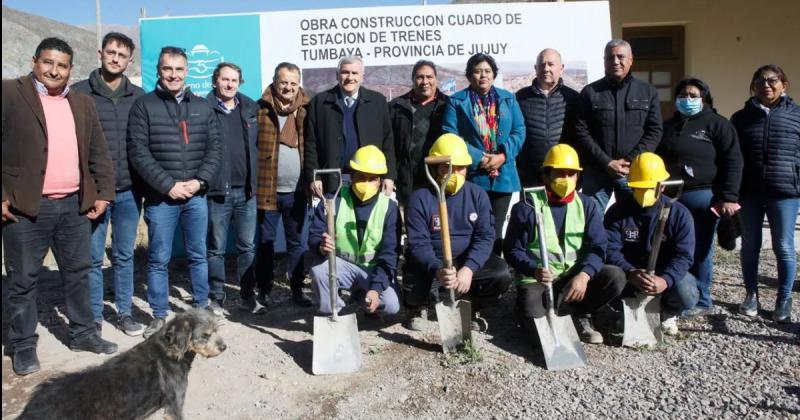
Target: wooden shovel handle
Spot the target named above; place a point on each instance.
(447, 252)
(333, 282)
(435, 160)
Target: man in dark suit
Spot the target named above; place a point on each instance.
(344, 118)
(57, 178)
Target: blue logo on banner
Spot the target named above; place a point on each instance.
(208, 41)
(449, 87)
(203, 61)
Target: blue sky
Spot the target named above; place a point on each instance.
(127, 12)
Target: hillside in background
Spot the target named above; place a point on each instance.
(22, 32)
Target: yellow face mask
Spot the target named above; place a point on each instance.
(364, 190)
(454, 184)
(563, 187)
(646, 197)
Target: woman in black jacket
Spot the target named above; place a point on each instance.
(701, 147)
(769, 134)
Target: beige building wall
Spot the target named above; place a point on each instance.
(726, 40)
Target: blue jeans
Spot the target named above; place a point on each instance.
(705, 226)
(599, 185)
(236, 208)
(351, 277)
(681, 296)
(292, 210)
(782, 216)
(162, 217)
(123, 214)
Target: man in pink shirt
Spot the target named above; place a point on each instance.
(57, 177)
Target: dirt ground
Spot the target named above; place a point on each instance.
(266, 371)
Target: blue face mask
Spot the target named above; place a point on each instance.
(689, 106)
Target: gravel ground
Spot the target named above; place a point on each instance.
(721, 366)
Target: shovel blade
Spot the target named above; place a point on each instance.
(642, 315)
(561, 345)
(337, 348)
(455, 323)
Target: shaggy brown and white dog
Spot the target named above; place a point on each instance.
(136, 383)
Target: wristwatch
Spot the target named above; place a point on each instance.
(203, 185)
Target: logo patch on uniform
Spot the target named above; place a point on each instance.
(473, 217)
(630, 234)
(701, 135)
(436, 223)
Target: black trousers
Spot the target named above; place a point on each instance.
(606, 285)
(291, 210)
(500, 203)
(59, 225)
(488, 283)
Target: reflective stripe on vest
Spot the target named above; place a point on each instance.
(560, 260)
(347, 246)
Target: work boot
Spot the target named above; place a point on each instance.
(93, 343)
(300, 299)
(609, 320)
(417, 320)
(127, 325)
(750, 305)
(669, 325)
(264, 300)
(783, 310)
(215, 308)
(155, 326)
(695, 312)
(252, 305)
(586, 330)
(25, 361)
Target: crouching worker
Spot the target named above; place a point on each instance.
(631, 225)
(478, 274)
(366, 239)
(575, 244)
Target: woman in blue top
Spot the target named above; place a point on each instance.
(769, 135)
(491, 123)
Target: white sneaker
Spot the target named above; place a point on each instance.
(670, 325)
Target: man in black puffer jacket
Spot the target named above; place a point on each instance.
(549, 109)
(174, 146)
(113, 96)
(619, 118)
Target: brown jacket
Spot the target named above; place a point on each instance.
(25, 148)
(268, 144)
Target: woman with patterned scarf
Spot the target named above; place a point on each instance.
(491, 123)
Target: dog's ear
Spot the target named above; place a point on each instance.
(178, 336)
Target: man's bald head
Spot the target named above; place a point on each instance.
(548, 68)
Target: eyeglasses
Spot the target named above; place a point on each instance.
(772, 81)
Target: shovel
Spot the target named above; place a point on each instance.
(561, 345)
(336, 345)
(642, 313)
(454, 317)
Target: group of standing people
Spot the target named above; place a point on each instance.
(81, 160)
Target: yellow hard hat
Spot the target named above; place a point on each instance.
(647, 170)
(370, 160)
(449, 144)
(562, 156)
